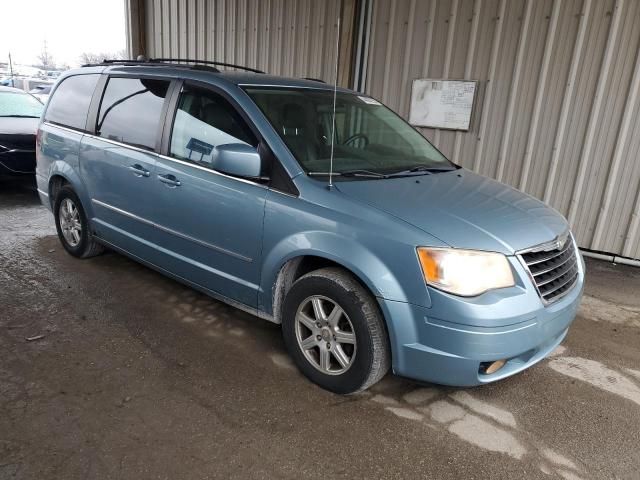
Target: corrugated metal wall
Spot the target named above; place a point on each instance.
(558, 106)
(558, 110)
(283, 37)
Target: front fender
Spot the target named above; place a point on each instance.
(345, 251)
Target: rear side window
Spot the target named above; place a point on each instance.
(130, 111)
(70, 102)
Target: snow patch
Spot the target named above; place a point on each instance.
(405, 413)
(420, 395)
(499, 415)
(596, 374)
(483, 434)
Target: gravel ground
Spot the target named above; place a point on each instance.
(110, 370)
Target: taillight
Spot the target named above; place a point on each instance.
(38, 142)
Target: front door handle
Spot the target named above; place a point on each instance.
(170, 180)
(139, 170)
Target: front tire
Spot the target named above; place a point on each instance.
(334, 331)
(72, 225)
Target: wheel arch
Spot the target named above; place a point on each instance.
(283, 265)
(62, 174)
(56, 182)
(298, 266)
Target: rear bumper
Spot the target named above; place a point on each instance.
(43, 190)
(447, 343)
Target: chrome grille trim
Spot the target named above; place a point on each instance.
(557, 273)
(546, 270)
(548, 255)
(552, 267)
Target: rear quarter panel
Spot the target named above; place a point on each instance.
(58, 154)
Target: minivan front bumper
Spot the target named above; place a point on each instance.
(448, 343)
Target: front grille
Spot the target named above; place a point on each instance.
(554, 272)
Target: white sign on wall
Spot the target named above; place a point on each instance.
(442, 103)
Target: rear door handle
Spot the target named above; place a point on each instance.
(170, 180)
(139, 170)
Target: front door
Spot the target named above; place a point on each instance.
(210, 223)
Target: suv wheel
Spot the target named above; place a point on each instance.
(72, 225)
(334, 331)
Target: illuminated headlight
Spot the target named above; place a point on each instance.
(465, 272)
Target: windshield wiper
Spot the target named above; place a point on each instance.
(351, 173)
(19, 116)
(362, 173)
(424, 169)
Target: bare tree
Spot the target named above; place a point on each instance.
(45, 58)
(92, 57)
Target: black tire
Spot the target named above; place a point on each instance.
(87, 245)
(372, 357)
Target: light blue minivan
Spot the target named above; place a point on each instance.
(329, 215)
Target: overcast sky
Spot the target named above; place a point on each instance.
(70, 27)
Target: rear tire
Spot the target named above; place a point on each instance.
(334, 331)
(72, 225)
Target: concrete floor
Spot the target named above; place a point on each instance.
(137, 376)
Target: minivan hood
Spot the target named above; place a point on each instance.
(463, 209)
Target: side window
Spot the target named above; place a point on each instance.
(130, 110)
(69, 104)
(203, 121)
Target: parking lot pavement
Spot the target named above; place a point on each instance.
(110, 370)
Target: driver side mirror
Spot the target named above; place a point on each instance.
(238, 160)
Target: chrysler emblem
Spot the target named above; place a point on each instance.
(560, 240)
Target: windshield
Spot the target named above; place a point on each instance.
(370, 139)
(16, 104)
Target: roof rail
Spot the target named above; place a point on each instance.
(145, 63)
(314, 79)
(206, 62)
(168, 61)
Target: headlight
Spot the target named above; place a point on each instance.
(465, 272)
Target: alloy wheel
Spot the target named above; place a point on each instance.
(325, 335)
(70, 224)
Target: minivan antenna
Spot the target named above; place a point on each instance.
(333, 116)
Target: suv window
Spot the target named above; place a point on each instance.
(70, 102)
(130, 111)
(204, 120)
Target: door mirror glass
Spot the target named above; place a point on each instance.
(237, 159)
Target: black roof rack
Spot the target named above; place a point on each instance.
(206, 62)
(175, 61)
